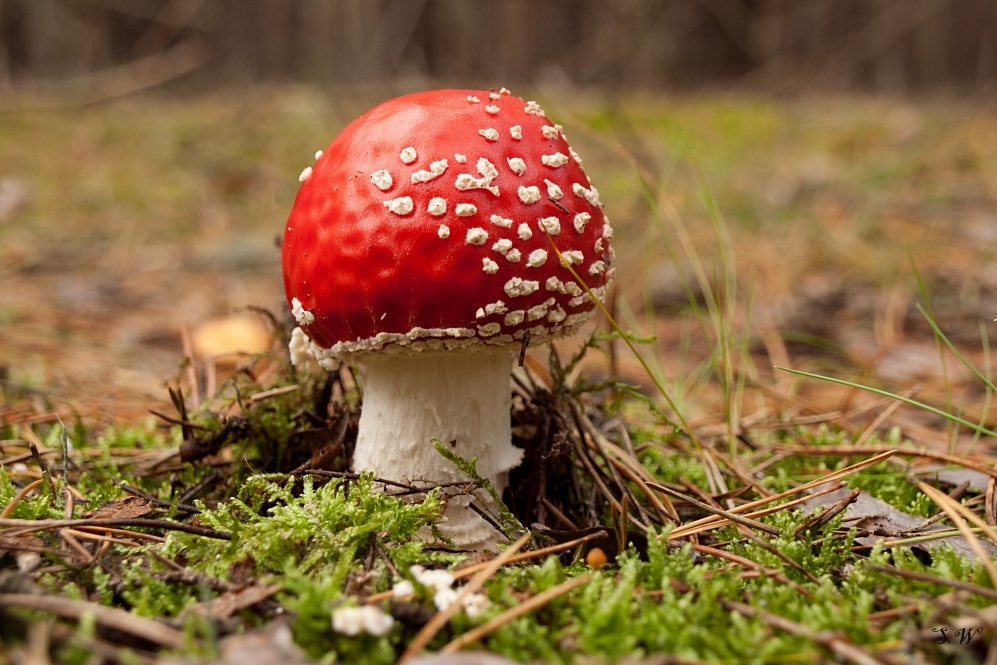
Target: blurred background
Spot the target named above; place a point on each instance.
(789, 181)
(880, 45)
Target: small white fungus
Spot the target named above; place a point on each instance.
(407, 155)
(553, 191)
(524, 231)
(318, 155)
(549, 132)
(443, 231)
(516, 132)
(365, 619)
(306, 174)
(492, 109)
(473, 99)
(499, 220)
(466, 209)
(502, 246)
(489, 266)
(459, 158)
(489, 133)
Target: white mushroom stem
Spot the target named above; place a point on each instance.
(459, 397)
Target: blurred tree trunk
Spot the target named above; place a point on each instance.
(890, 45)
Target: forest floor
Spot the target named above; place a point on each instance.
(139, 246)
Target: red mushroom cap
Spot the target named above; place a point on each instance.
(425, 225)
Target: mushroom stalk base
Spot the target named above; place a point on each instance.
(464, 400)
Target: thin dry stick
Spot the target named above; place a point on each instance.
(955, 511)
(902, 452)
(525, 556)
(884, 415)
(941, 581)
(19, 497)
(110, 617)
(519, 610)
(712, 521)
(17, 527)
(758, 526)
(440, 618)
(631, 468)
(838, 646)
(188, 353)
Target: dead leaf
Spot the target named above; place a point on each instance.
(231, 602)
(878, 520)
(128, 507)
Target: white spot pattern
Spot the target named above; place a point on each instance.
(516, 132)
(551, 225)
(492, 109)
(553, 191)
(581, 219)
(529, 195)
(524, 231)
(557, 160)
(436, 169)
(572, 257)
(497, 307)
(597, 268)
(537, 258)
(502, 246)
(489, 266)
(514, 318)
(466, 209)
(532, 108)
(301, 315)
(498, 220)
(443, 231)
(476, 236)
(517, 164)
(400, 206)
(437, 206)
(407, 155)
(549, 132)
(489, 133)
(382, 179)
(520, 287)
(306, 174)
(513, 256)
(459, 158)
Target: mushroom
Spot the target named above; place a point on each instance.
(421, 245)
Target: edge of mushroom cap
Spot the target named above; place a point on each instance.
(445, 340)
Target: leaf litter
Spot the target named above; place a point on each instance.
(237, 514)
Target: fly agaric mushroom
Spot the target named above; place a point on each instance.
(421, 245)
